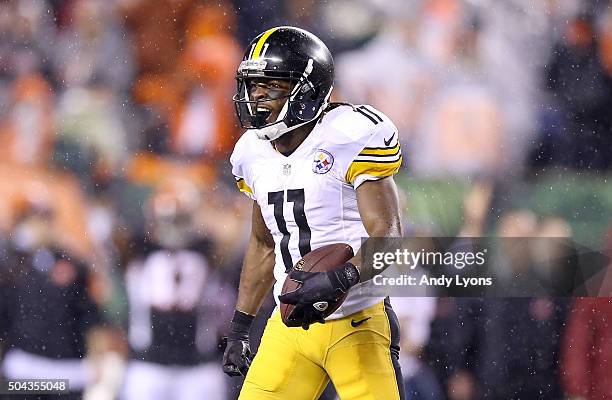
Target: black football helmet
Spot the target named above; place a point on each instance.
(291, 54)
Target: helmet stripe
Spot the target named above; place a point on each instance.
(261, 42)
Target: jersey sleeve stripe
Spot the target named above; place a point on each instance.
(392, 151)
(379, 161)
(378, 168)
(243, 187)
(382, 148)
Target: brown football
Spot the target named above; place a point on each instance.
(322, 259)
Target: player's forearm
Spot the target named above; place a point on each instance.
(384, 229)
(378, 203)
(256, 278)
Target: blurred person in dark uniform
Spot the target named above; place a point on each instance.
(454, 347)
(5, 284)
(521, 336)
(521, 348)
(508, 347)
(176, 300)
(582, 89)
(47, 306)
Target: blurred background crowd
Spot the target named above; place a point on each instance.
(121, 232)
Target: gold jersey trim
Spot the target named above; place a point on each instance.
(380, 151)
(379, 169)
(243, 187)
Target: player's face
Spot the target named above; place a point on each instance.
(271, 95)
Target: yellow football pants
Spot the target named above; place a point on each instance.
(362, 360)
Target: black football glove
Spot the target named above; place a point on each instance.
(318, 290)
(237, 356)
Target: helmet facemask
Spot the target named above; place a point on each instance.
(302, 105)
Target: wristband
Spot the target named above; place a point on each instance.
(240, 325)
(344, 277)
(352, 273)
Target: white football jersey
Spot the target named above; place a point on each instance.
(308, 198)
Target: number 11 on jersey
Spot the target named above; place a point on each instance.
(295, 196)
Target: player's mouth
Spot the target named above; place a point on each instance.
(263, 113)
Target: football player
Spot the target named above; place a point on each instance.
(319, 173)
(173, 292)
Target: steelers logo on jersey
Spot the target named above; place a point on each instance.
(323, 161)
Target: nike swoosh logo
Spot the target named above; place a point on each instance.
(388, 142)
(355, 324)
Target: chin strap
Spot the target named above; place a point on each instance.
(275, 131)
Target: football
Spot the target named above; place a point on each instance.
(322, 259)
